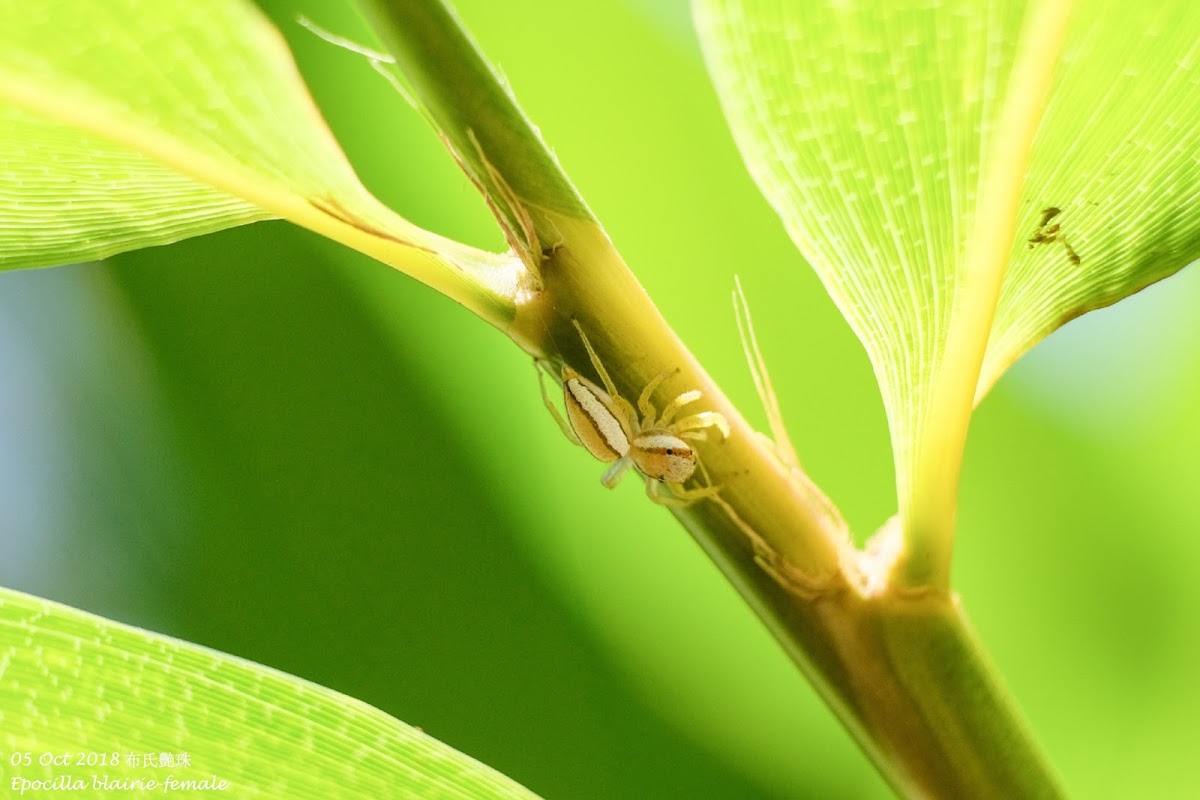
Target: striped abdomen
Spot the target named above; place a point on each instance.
(594, 418)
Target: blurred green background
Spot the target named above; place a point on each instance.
(267, 444)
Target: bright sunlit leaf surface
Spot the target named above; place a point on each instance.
(93, 692)
(866, 126)
(126, 124)
(1118, 154)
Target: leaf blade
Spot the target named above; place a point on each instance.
(869, 149)
(120, 200)
(73, 682)
(1119, 156)
(208, 92)
(868, 129)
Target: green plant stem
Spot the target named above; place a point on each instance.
(901, 670)
(478, 117)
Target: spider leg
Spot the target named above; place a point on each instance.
(692, 495)
(673, 407)
(644, 404)
(628, 410)
(677, 496)
(705, 419)
(612, 475)
(609, 386)
(540, 366)
(656, 495)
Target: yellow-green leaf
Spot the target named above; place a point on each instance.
(96, 708)
(1118, 154)
(131, 123)
(869, 128)
(863, 124)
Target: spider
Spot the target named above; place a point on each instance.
(609, 427)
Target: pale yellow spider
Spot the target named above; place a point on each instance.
(611, 429)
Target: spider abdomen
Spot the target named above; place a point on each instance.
(593, 418)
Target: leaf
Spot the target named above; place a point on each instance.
(126, 124)
(77, 685)
(863, 126)
(69, 197)
(1118, 153)
(869, 127)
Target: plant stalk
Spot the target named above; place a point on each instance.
(902, 671)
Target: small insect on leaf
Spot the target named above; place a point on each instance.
(1048, 234)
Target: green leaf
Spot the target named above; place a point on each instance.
(69, 197)
(1118, 152)
(871, 130)
(132, 123)
(864, 126)
(77, 685)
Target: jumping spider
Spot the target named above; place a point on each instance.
(611, 429)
